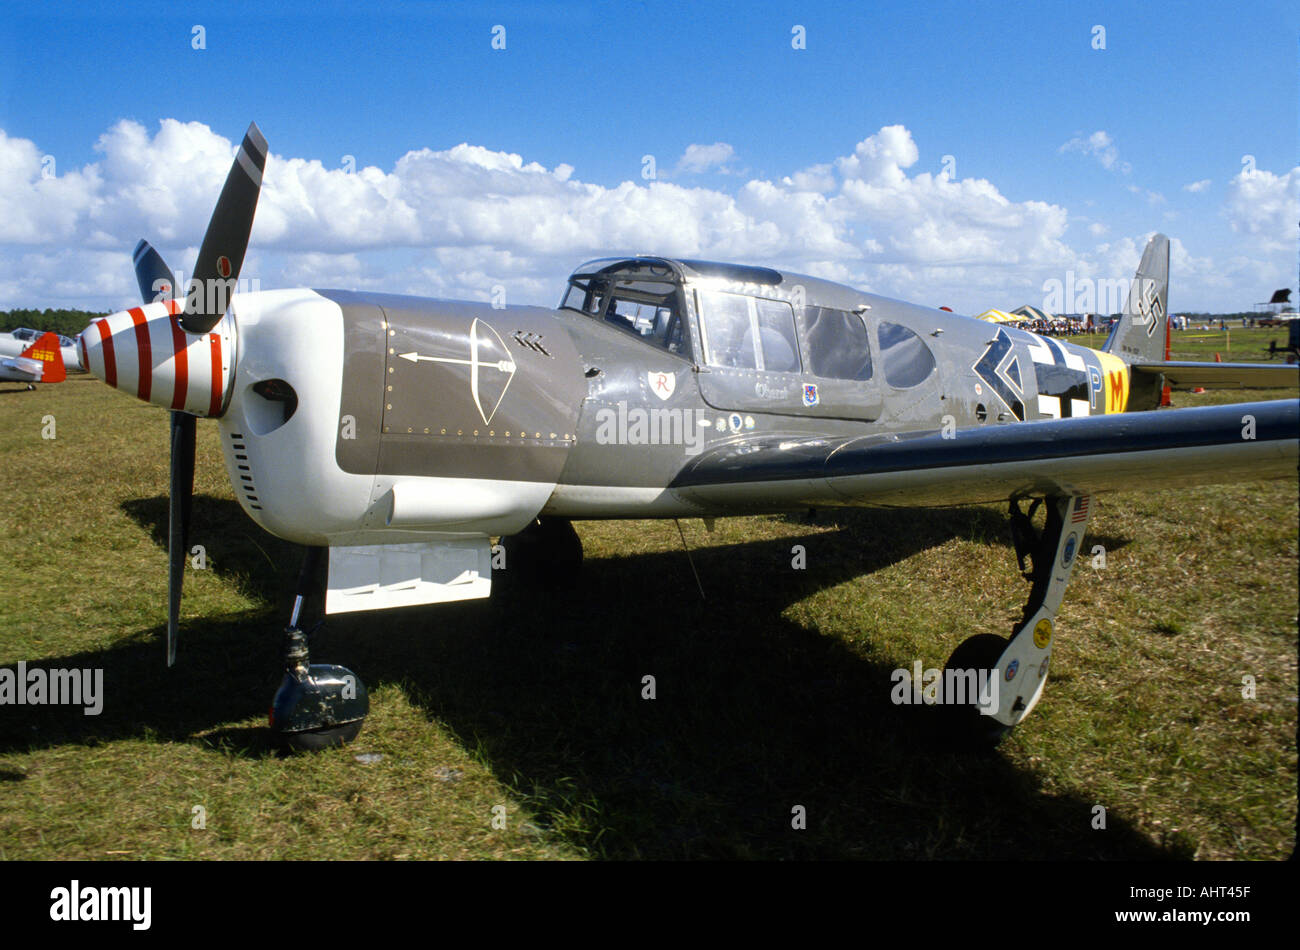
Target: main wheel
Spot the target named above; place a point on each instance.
(314, 740)
(965, 725)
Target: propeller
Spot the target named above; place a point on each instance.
(156, 283)
(221, 255)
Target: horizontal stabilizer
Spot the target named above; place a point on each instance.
(1224, 375)
(22, 368)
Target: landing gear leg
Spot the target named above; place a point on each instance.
(1020, 666)
(317, 706)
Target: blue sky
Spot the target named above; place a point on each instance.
(1055, 156)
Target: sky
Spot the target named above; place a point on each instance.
(966, 154)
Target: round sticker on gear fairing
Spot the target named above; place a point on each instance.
(1071, 544)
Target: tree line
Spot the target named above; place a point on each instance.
(67, 322)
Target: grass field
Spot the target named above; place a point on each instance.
(771, 693)
(1233, 345)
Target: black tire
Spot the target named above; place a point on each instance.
(966, 727)
(316, 739)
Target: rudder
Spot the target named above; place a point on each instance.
(1139, 336)
(47, 350)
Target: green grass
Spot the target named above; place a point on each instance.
(771, 693)
(1234, 345)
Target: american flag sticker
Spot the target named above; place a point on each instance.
(1080, 510)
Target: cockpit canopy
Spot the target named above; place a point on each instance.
(748, 318)
(28, 335)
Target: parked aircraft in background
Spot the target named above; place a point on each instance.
(40, 362)
(14, 342)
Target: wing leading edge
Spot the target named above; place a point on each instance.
(1125, 451)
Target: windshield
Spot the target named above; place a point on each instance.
(645, 302)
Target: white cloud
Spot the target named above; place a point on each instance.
(458, 221)
(1265, 207)
(1153, 197)
(699, 158)
(1197, 186)
(1100, 145)
(470, 217)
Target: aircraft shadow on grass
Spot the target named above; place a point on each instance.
(754, 714)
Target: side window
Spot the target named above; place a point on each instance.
(724, 319)
(657, 322)
(838, 344)
(906, 358)
(748, 333)
(776, 331)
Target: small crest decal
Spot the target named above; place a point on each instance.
(810, 394)
(662, 384)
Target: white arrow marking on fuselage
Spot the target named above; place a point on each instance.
(505, 366)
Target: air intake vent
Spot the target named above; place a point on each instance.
(531, 341)
(244, 482)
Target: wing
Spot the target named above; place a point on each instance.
(1134, 451)
(1224, 375)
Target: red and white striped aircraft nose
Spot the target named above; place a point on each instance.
(145, 352)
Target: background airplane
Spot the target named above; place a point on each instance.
(41, 361)
(401, 435)
(14, 342)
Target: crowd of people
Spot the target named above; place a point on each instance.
(1057, 327)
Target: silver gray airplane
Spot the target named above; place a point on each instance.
(402, 435)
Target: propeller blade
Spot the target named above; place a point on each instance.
(221, 255)
(178, 521)
(156, 283)
(152, 274)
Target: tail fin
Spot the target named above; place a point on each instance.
(1139, 336)
(50, 355)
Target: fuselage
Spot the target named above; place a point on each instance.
(419, 418)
